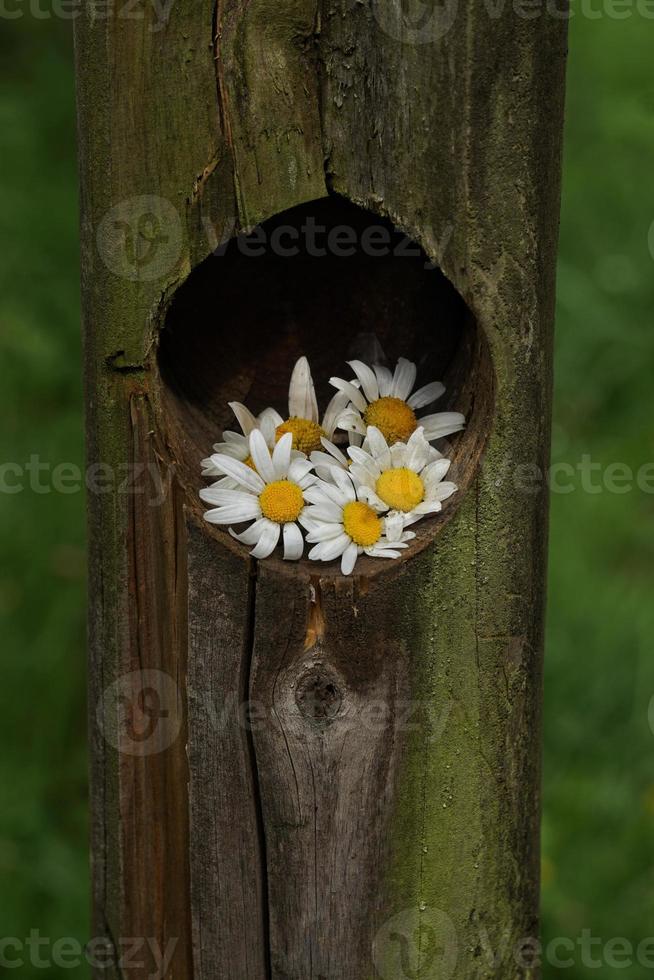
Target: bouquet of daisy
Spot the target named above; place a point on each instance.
(351, 483)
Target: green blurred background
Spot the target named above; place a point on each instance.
(598, 840)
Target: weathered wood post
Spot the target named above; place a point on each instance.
(375, 812)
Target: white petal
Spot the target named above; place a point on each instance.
(403, 379)
(379, 448)
(328, 550)
(352, 422)
(344, 484)
(299, 469)
(267, 540)
(349, 559)
(383, 552)
(441, 491)
(394, 526)
(324, 532)
(367, 378)
(244, 417)
(426, 395)
(261, 456)
(399, 455)
(268, 422)
(293, 542)
(362, 477)
(353, 394)
(426, 507)
(331, 493)
(384, 379)
(417, 451)
(442, 424)
(282, 456)
(331, 513)
(301, 393)
(435, 472)
(252, 533)
(221, 496)
(238, 471)
(334, 451)
(335, 408)
(234, 513)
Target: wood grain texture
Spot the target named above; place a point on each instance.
(363, 853)
(228, 883)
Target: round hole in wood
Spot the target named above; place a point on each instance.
(322, 279)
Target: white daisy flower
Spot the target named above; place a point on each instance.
(303, 420)
(404, 481)
(339, 525)
(272, 495)
(384, 400)
(237, 445)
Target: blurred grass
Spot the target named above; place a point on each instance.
(598, 839)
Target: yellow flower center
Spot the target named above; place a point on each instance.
(306, 434)
(361, 524)
(401, 489)
(281, 501)
(393, 417)
(250, 462)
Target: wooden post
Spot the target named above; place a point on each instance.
(374, 812)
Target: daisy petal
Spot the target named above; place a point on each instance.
(324, 532)
(353, 394)
(394, 525)
(349, 559)
(367, 378)
(234, 513)
(426, 395)
(328, 550)
(293, 542)
(261, 456)
(417, 451)
(221, 497)
(435, 472)
(403, 379)
(344, 483)
(384, 379)
(442, 424)
(282, 456)
(267, 540)
(238, 471)
(299, 469)
(334, 410)
(252, 533)
(244, 417)
(301, 393)
(379, 448)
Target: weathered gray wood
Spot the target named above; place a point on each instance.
(228, 887)
(225, 116)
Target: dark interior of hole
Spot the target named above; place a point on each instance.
(236, 327)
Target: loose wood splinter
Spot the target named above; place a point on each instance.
(288, 476)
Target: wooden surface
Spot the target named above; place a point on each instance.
(303, 846)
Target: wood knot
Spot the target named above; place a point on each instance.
(319, 696)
